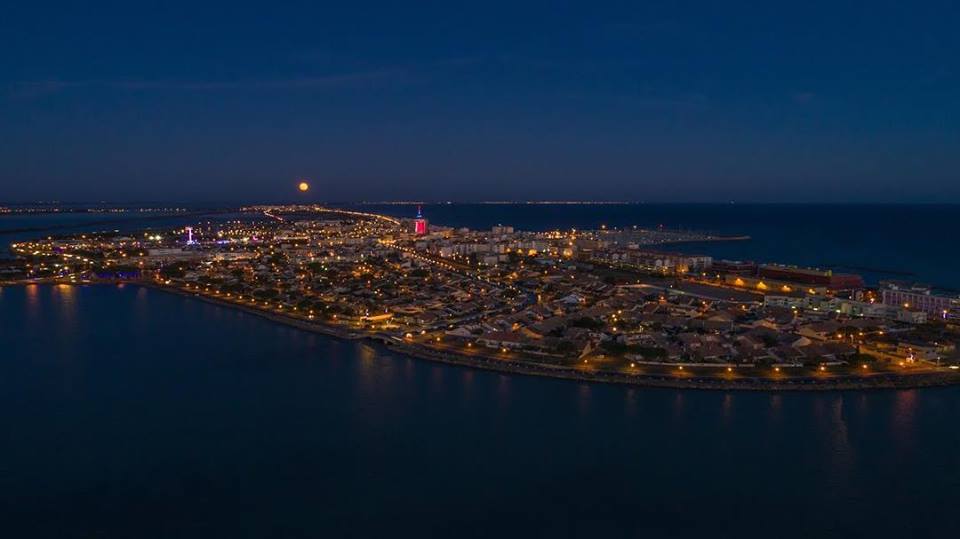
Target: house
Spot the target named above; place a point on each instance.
(819, 331)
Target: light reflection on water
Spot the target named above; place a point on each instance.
(33, 300)
(503, 392)
(437, 378)
(630, 402)
(843, 457)
(583, 400)
(903, 418)
(466, 384)
(66, 303)
(678, 401)
(726, 408)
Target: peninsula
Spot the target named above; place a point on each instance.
(606, 305)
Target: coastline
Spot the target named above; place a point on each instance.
(715, 383)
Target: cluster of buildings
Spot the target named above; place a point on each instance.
(563, 297)
(814, 289)
(765, 277)
(578, 316)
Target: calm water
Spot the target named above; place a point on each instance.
(127, 412)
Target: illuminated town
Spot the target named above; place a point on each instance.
(605, 305)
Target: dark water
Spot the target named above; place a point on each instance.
(910, 242)
(127, 412)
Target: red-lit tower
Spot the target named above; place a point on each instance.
(420, 224)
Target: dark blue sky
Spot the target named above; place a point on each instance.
(652, 101)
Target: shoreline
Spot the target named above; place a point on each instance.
(529, 368)
(839, 383)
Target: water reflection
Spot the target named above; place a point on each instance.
(726, 409)
(776, 409)
(503, 392)
(33, 300)
(436, 379)
(374, 372)
(583, 399)
(630, 402)
(141, 304)
(370, 386)
(842, 452)
(367, 366)
(904, 417)
(863, 402)
(66, 302)
(409, 368)
(367, 355)
(466, 384)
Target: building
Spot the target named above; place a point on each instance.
(654, 260)
(846, 307)
(772, 285)
(919, 298)
(808, 276)
(420, 223)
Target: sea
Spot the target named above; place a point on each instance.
(131, 412)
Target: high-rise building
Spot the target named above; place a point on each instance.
(420, 224)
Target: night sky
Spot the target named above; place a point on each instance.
(646, 101)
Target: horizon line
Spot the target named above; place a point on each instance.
(405, 202)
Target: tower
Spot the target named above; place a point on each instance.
(420, 224)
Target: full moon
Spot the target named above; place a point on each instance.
(304, 186)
